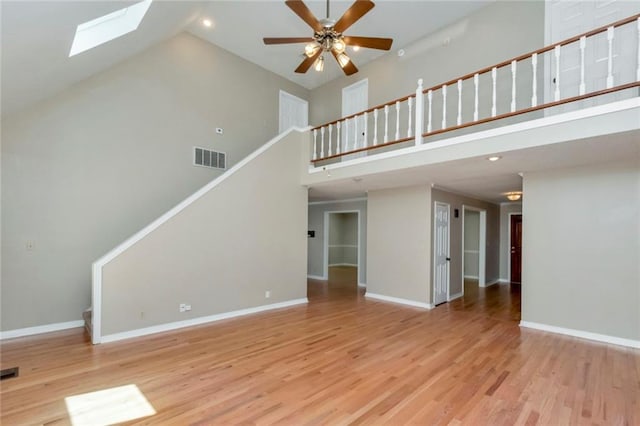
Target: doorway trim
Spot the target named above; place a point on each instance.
(325, 243)
(482, 246)
(289, 97)
(508, 251)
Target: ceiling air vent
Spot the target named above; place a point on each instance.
(207, 158)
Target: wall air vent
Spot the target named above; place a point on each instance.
(207, 158)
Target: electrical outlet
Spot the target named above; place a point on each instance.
(187, 308)
(183, 307)
(267, 294)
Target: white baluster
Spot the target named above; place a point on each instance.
(315, 143)
(397, 120)
(610, 34)
(534, 88)
(364, 132)
(356, 142)
(321, 142)
(444, 106)
(338, 139)
(410, 130)
(583, 44)
(346, 135)
(430, 97)
(557, 79)
(386, 123)
(375, 127)
(494, 75)
(513, 85)
(459, 120)
(330, 131)
(419, 113)
(638, 70)
(476, 79)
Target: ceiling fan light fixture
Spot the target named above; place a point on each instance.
(343, 60)
(355, 48)
(339, 46)
(320, 64)
(311, 49)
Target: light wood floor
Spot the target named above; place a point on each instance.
(340, 359)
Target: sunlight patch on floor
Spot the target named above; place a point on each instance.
(109, 406)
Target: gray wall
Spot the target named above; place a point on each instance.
(495, 33)
(86, 169)
(221, 253)
(471, 243)
(493, 236)
(581, 242)
(315, 245)
(505, 244)
(399, 243)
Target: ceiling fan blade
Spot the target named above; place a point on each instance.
(300, 9)
(306, 64)
(370, 42)
(286, 40)
(355, 12)
(348, 69)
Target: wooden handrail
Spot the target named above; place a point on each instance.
(391, 103)
(490, 119)
(485, 70)
(539, 51)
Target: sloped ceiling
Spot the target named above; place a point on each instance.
(36, 37)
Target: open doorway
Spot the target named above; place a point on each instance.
(474, 235)
(342, 247)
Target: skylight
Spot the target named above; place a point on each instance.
(108, 27)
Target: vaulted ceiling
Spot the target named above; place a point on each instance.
(36, 37)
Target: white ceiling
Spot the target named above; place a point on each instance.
(37, 35)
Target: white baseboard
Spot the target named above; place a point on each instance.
(455, 296)
(197, 321)
(471, 277)
(504, 281)
(582, 334)
(343, 264)
(364, 285)
(316, 277)
(490, 283)
(29, 331)
(399, 300)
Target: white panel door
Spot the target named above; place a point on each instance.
(441, 253)
(566, 19)
(294, 112)
(355, 98)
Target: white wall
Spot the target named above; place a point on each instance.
(471, 246)
(399, 243)
(581, 245)
(84, 170)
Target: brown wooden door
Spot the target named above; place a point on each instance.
(516, 248)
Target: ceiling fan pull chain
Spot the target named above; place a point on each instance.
(328, 9)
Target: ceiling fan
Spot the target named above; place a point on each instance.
(328, 36)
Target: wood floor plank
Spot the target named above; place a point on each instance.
(341, 359)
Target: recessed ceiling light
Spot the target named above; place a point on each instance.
(207, 23)
(494, 158)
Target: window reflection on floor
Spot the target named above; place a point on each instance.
(108, 406)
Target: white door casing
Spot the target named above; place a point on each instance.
(293, 112)
(441, 259)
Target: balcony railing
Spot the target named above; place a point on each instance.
(603, 61)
